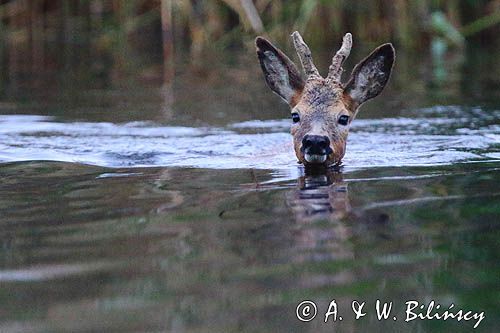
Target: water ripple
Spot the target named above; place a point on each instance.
(444, 136)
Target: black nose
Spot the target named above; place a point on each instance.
(316, 144)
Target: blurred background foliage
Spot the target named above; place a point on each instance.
(60, 55)
(199, 25)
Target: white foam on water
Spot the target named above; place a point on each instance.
(454, 135)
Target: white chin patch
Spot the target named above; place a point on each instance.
(314, 158)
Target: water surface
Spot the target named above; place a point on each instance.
(123, 209)
(431, 136)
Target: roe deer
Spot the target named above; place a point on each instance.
(323, 108)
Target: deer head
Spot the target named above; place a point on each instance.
(322, 109)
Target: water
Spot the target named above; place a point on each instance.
(122, 211)
(432, 136)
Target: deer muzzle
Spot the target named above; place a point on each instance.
(316, 148)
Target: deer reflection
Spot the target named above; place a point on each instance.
(319, 205)
(320, 196)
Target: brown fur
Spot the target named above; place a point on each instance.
(321, 102)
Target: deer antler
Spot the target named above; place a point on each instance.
(304, 54)
(335, 70)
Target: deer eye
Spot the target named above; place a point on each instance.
(343, 120)
(295, 117)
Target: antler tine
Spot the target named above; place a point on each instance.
(304, 54)
(335, 70)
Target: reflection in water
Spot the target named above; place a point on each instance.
(171, 249)
(170, 246)
(321, 196)
(320, 205)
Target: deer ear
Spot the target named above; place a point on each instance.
(281, 74)
(369, 77)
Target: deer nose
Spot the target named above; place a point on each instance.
(316, 144)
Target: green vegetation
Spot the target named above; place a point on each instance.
(222, 23)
